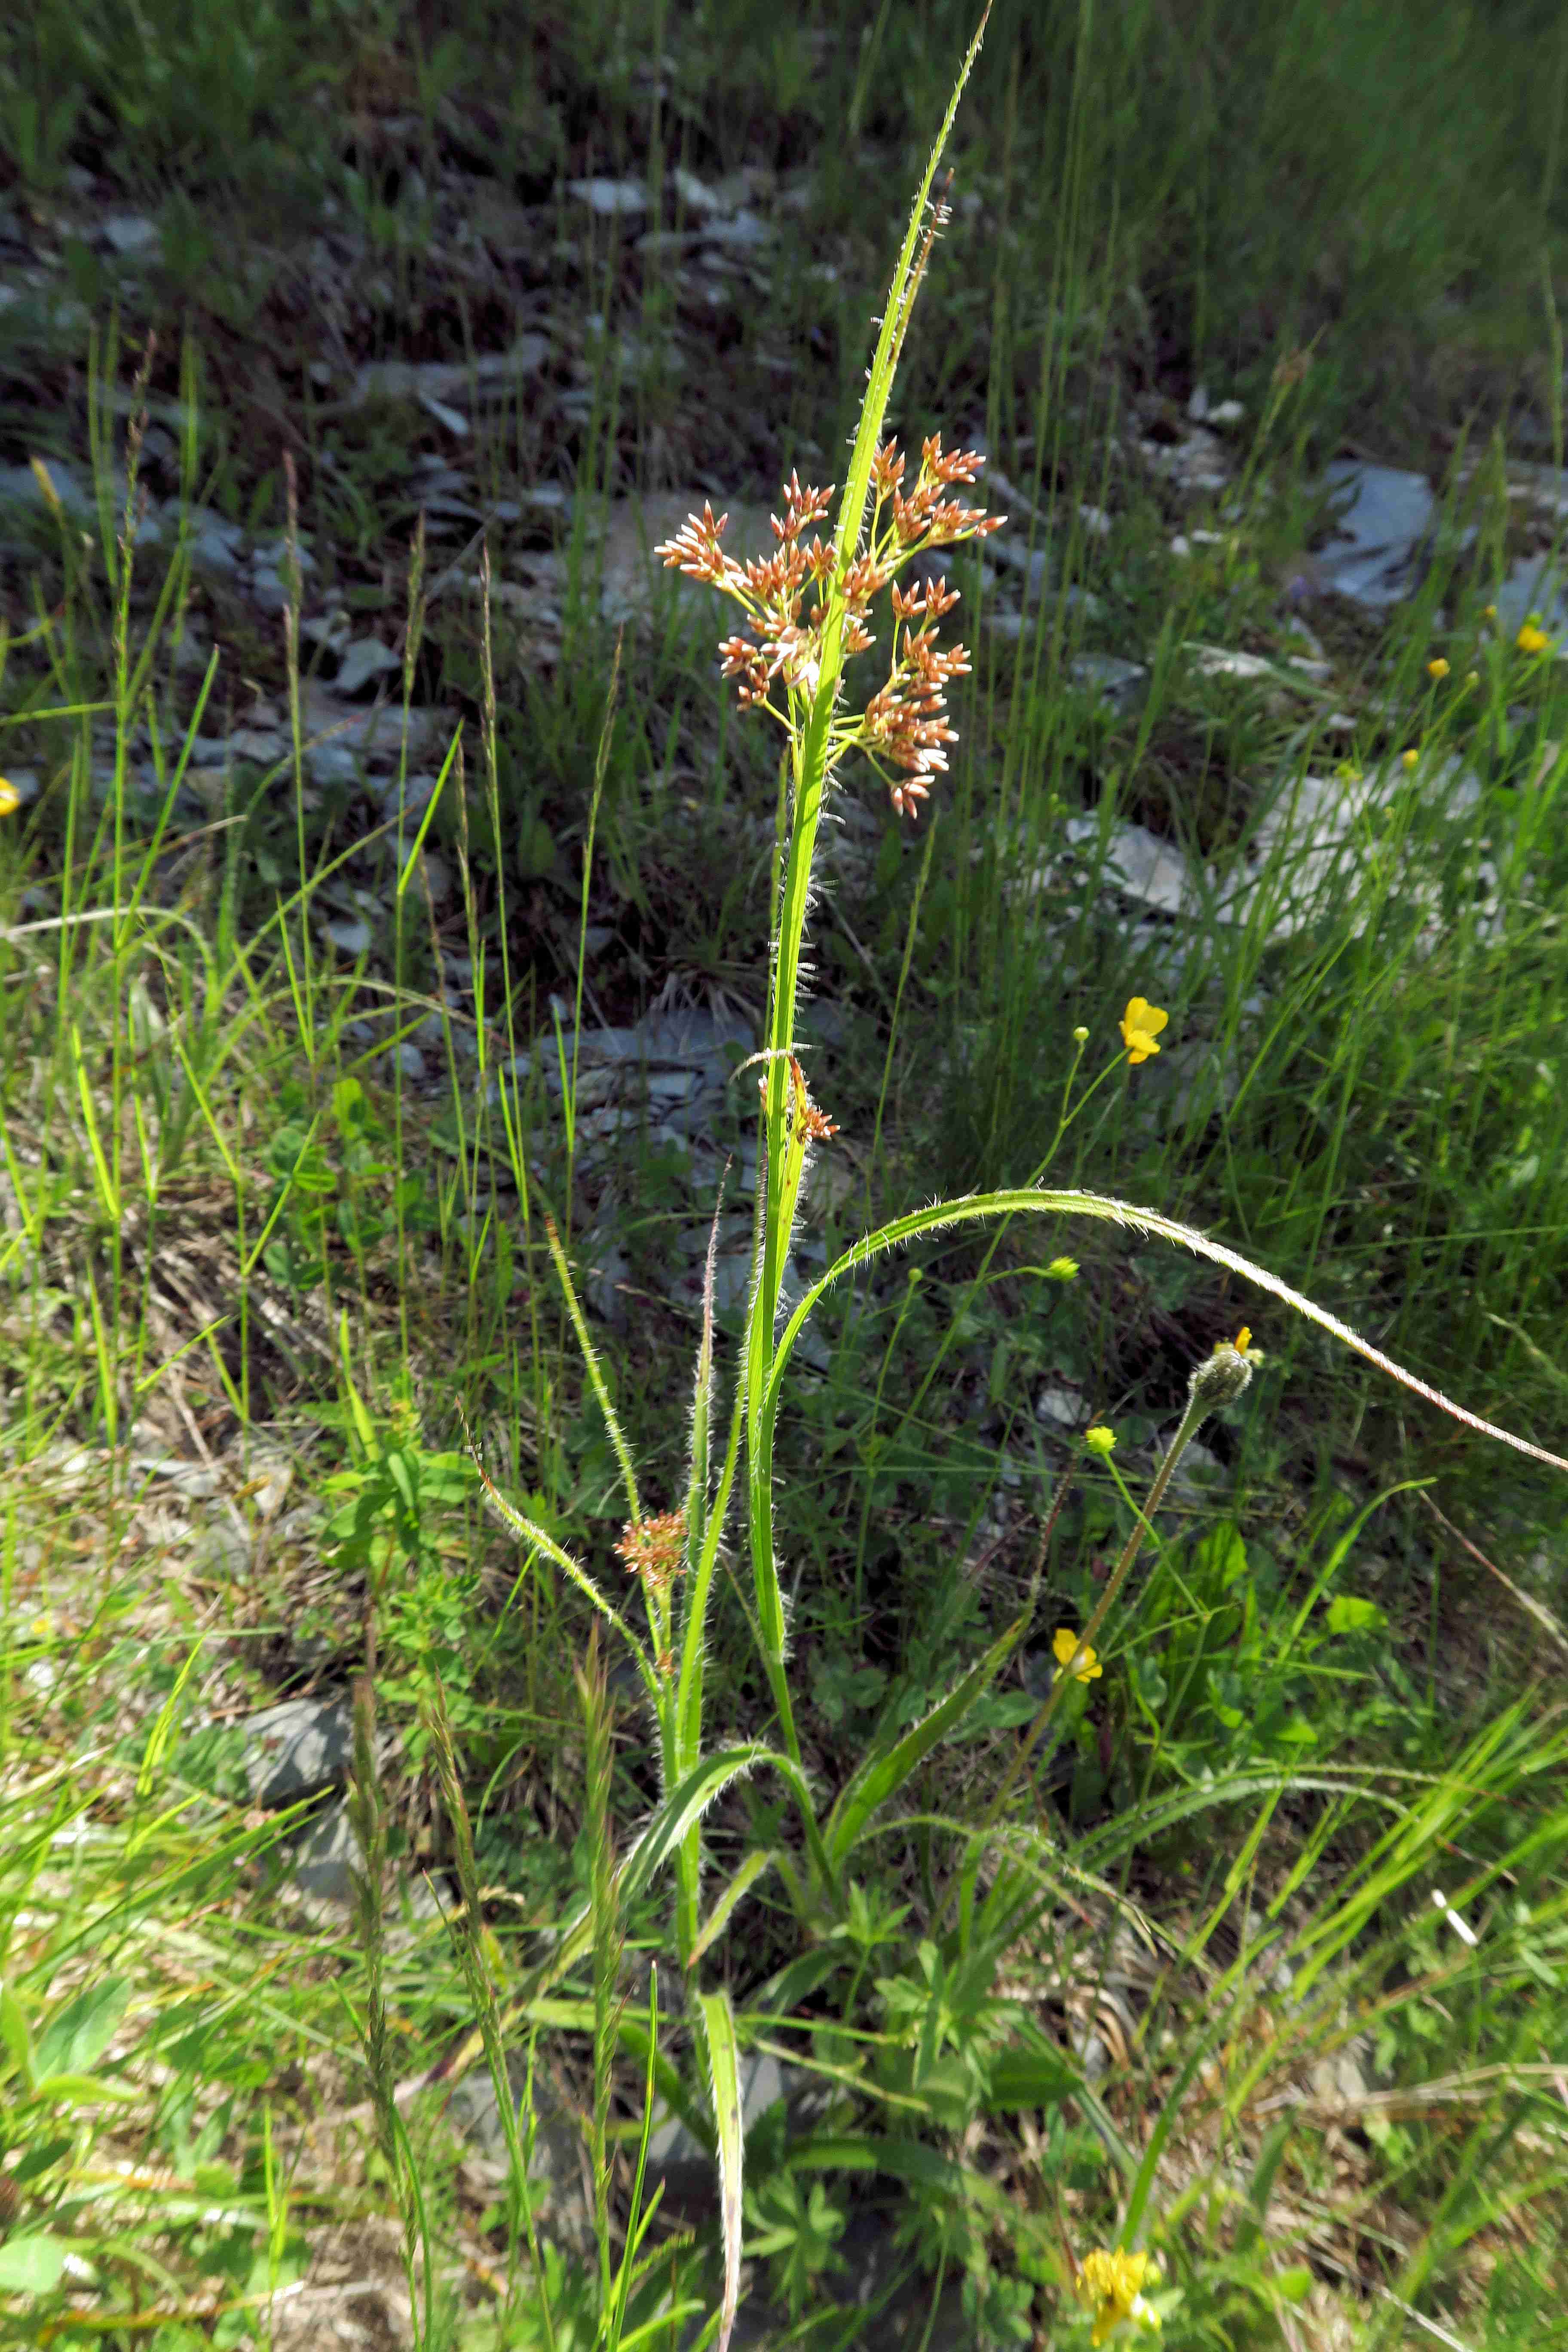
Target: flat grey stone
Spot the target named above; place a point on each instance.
(20, 487)
(364, 659)
(1122, 683)
(449, 380)
(1385, 518)
(611, 199)
(327, 1857)
(1139, 864)
(221, 1549)
(332, 763)
(131, 234)
(555, 2163)
(213, 545)
(298, 1747)
(352, 938)
(683, 2163)
(377, 733)
(1535, 584)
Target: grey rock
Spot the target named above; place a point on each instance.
(740, 232)
(332, 763)
(262, 745)
(698, 198)
(1535, 584)
(684, 2164)
(1139, 864)
(274, 553)
(296, 1747)
(1386, 521)
(410, 1061)
(366, 660)
(269, 1474)
(608, 1268)
(611, 199)
(268, 591)
(555, 2165)
(377, 733)
(331, 629)
(213, 544)
(20, 488)
(131, 234)
(1065, 1406)
(1338, 2081)
(352, 938)
(327, 1858)
(449, 380)
(1123, 683)
(197, 1480)
(221, 1550)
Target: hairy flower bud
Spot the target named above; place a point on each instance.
(1222, 1377)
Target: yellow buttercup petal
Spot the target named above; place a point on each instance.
(1067, 1648)
(1141, 1024)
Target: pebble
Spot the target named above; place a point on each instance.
(352, 938)
(296, 1747)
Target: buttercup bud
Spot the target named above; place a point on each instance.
(1222, 1377)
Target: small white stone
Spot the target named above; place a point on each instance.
(610, 198)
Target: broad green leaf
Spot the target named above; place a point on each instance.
(881, 1775)
(1346, 1614)
(15, 2034)
(901, 2160)
(81, 2090)
(723, 2062)
(77, 2035)
(32, 2265)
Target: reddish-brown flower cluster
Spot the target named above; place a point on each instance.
(904, 724)
(906, 720)
(811, 1125)
(655, 1549)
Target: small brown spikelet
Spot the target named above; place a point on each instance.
(811, 1124)
(655, 1549)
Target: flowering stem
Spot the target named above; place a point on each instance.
(1197, 1411)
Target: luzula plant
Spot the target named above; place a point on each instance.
(808, 608)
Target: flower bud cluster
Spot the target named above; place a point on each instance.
(903, 726)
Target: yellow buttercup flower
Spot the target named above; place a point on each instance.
(1409, 759)
(1438, 668)
(1113, 2283)
(1078, 1656)
(1141, 1024)
(1533, 638)
(10, 798)
(1100, 1440)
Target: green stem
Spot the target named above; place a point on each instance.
(1197, 1413)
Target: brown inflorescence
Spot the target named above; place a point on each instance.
(904, 725)
(655, 1549)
